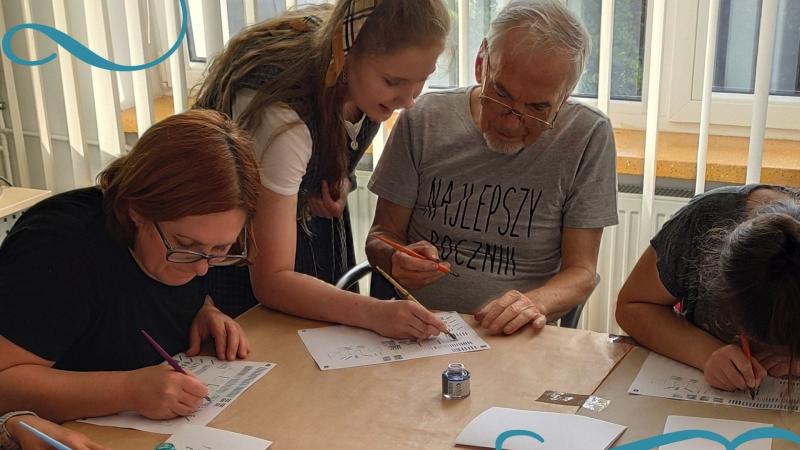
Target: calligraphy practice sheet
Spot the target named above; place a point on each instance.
(195, 437)
(226, 380)
(664, 377)
(341, 346)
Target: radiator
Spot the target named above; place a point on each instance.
(618, 252)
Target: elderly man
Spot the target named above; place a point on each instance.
(509, 182)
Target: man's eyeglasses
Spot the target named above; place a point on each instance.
(501, 108)
(191, 256)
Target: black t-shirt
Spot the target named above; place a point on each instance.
(71, 294)
(679, 248)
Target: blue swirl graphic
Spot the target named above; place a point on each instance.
(685, 435)
(82, 52)
(502, 437)
(677, 436)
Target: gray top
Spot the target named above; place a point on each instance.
(679, 251)
(495, 218)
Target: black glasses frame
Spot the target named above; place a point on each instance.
(508, 109)
(222, 260)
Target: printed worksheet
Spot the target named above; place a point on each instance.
(226, 380)
(664, 377)
(341, 346)
(195, 437)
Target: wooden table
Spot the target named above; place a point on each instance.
(396, 405)
(645, 416)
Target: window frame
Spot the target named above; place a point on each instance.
(687, 28)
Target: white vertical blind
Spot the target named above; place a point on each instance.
(464, 79)
(766, 43)
(177, 62)
(12, 104)
(212, 27)
(81, 172)
(39, 101)
(646, 226)
(250, 12)
(145, 115)
(705, 105)
(224, 14)
(604, 65)
(104, 83)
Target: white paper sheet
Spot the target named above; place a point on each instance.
(340, 346)
(667, 378)
(196, 437)
(559, 431)
(729, 429)
(226, 380)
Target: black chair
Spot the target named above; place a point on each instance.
(380, 288)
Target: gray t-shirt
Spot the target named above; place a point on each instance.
(497, 219)
(680, 247)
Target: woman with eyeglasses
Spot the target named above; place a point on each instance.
(82, 272)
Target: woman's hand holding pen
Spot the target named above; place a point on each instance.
(28, 441)
(404, 319)
(159, 392)
(414, 273)
(729, 369)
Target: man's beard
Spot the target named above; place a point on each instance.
(502, 147)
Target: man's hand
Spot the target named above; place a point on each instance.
(510, 312)
(229, 338)
(413, 272)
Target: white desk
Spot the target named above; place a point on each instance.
(14, 200)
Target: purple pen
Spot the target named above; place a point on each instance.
(166, 355)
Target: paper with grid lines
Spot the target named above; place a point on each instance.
(663, 377)
(341, 346)
(226, 380)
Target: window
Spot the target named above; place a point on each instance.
(735, 59)
(627, 54)
(481, 13)
(628, 51)
(196, 30)
(737, 44)
(264, 9)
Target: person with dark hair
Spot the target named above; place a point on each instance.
(730, 261)
(312, 85)
(82, 272)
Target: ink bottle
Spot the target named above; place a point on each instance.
(455, 381)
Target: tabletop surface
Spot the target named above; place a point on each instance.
(395, 405)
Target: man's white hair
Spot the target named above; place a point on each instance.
(550, 27)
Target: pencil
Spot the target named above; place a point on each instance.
(50, 441)
(407, 295)
(403, 249)
(746, 350)
(166, 356)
